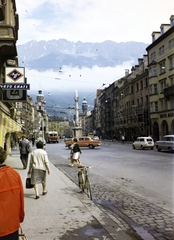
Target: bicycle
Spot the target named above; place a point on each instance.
(83, 180)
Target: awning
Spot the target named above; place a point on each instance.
(7, 125)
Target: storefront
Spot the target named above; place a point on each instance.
(9, 130)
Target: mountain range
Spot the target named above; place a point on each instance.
(53, 54)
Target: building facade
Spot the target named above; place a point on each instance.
(161, 80)
(8, 58)
(142, 102)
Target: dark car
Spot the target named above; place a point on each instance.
(166, 143)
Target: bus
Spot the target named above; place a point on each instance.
(52, 137)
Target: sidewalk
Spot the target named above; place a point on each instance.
(64, 213)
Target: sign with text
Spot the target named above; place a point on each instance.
(15, 86)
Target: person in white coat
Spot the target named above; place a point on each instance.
(38, 166)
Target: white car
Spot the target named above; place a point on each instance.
(143, 142)
(166, 143)
(96, 138)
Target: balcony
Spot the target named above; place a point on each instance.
(169, 92)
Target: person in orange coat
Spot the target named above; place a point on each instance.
(11, 200)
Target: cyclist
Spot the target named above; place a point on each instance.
(75, 153)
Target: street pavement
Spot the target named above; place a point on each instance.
(64, 213)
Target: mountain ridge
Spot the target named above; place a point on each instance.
(53, 54)
(44, 55)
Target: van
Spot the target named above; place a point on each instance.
(143, 142)
(52, 137)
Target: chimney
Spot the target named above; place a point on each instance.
(126, 72)
(140, 61)
(132, 69)
(172, 20)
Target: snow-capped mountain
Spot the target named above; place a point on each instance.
(44, 55)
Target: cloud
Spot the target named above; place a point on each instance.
(91, 20)
(87, 21)
(70, 79)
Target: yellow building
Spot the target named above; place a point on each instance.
(161, 80)
(62, 126)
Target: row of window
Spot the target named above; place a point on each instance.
(161, 67)
(161, 105)
(153, 89)
(131, 89)
(162, 50)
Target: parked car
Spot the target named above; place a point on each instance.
(143, 142)
(84, 142)
(41, 139)
(96, 138)
(166, 143)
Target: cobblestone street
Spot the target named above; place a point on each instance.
(124, 207)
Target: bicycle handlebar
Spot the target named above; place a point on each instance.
(82, 167)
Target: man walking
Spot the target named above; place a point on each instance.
(24, 147)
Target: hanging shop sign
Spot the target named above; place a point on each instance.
(15, 86)
(15, 75)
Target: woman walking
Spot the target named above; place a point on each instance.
(39, 164)
(75, 153)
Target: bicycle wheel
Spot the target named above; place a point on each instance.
(88, 188)
(81, 181)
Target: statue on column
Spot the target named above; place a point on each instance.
(76, 98)
(77, 130)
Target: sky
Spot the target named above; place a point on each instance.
(88, 21)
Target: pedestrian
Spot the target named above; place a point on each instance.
(33, 140)
(123, 138)
(24, 148)
(75, 153)
(11, 200)
(38, 166)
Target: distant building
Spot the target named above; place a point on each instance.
(60, 125)
(44, 117)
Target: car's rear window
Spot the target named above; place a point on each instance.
(149, 140)
(168, 139)
(141, 139)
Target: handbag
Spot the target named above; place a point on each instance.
(21, 235)
(28, 183)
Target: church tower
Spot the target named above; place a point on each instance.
(84, 106)
(40, 102)
(43, 119)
